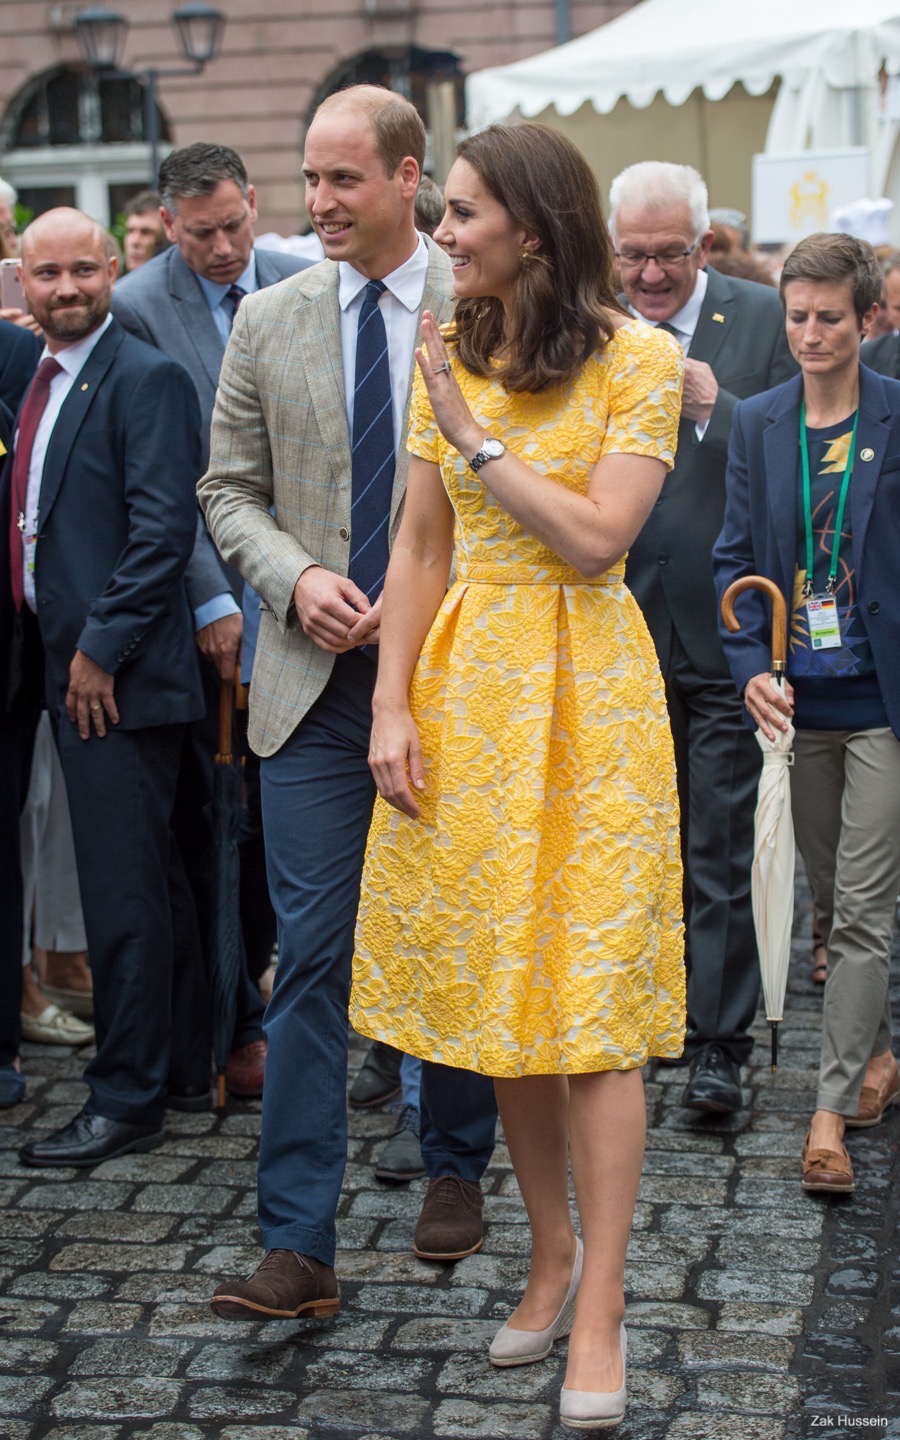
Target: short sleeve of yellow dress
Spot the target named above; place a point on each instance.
(529, 922)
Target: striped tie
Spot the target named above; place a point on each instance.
(373, 448)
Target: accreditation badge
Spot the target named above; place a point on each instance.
(824, 622)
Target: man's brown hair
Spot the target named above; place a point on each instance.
(396, 123)
(840, 259)
(566, 291)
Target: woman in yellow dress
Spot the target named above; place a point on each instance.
(522, 895)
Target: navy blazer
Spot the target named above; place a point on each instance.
(115, 532)
(759, 535)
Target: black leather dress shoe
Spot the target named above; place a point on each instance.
(193, 1099)
(715, 1083)
(379, 1077)
(88, 1139)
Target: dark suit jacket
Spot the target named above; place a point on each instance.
(116, 528)
(20, 352)
(759, 535)
(669, 568)
(163, 303)
(882, 355)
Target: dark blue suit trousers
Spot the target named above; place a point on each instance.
(317, 799)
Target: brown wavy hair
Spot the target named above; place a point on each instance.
(566, 292)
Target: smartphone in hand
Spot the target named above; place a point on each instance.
(12, 296)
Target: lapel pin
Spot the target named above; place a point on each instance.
(867, 454)
(719, 318)
(84, 386)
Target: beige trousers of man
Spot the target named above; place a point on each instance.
(845, 792)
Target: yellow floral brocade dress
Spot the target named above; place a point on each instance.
(529, 922)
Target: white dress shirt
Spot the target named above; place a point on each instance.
(399, 305)
(72, 358)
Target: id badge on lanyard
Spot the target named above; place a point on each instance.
(822, 610)
(824, 622)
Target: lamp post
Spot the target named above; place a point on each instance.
(102, 33)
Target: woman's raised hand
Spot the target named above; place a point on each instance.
(455, 420)
(395, 759)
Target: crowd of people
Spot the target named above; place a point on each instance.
(470, 492)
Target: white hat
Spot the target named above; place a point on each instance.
(865, 219)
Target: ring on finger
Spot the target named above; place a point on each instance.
(439, 369)
(96, 707)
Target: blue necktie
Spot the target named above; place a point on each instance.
(373, 458)
(234, 295)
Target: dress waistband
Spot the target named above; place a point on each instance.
(483, 573)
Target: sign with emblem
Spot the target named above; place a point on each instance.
(797, 194)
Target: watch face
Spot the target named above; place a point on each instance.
(493, 448)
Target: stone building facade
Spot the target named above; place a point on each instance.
(68, 137)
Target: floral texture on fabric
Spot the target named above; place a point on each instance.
(530, 921)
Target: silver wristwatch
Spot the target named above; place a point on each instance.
(491, 450)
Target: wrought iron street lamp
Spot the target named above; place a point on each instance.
(101, 34)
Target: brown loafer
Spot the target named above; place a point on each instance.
(873, 1102)
(283, 1286)
(827, 1170)
(451, 1222)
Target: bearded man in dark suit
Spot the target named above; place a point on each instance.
(94, 622)
(732, 333)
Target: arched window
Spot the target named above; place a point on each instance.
(73, 137)
(431, 79)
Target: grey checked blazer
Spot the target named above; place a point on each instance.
(280, 438)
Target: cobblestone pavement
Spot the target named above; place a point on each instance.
(755, 1312)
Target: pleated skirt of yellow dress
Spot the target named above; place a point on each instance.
(529, 922)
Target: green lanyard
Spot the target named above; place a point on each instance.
(807, 506)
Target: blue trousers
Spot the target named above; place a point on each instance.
(317, 799)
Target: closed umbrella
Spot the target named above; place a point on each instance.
(772, 880)
(228, 801)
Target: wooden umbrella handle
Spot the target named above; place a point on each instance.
(779, 614)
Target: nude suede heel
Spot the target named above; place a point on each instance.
(523, 1347)
(595, 1409)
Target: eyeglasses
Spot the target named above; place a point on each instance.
(665, 259)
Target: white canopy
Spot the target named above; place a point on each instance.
(676, 46)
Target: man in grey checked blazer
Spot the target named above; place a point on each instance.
(277, 498)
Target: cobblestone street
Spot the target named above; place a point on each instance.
(756, 1312)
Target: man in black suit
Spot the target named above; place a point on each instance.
(883, 354)
(19, 355)
(183, 302)
(732, 333)
(100, 488)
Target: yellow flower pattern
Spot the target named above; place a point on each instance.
(530, 922)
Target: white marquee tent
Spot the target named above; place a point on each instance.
(826, 54)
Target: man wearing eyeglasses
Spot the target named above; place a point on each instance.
(732, 334)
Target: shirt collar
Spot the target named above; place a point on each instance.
(72, 358)
(686, 319)
(215, 293)
(406, 283)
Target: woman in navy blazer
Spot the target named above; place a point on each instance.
(796, 451)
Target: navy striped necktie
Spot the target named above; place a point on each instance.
(373, 459)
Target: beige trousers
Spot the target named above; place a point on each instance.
(845, 793)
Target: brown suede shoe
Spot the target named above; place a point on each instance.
(827, 1170)
(451, 1224)
(873, 1102)
(284, 1285)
